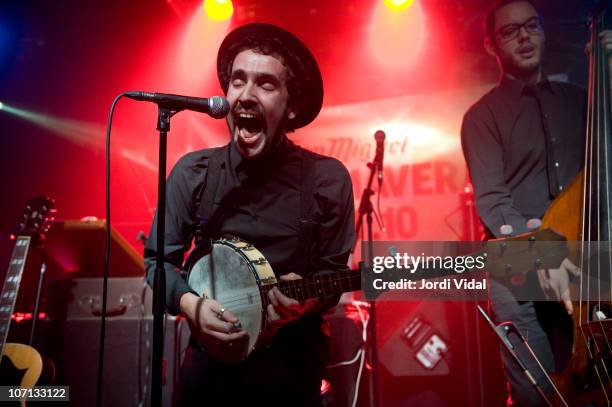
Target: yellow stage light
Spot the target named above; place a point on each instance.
(219, 10)
(398, 5)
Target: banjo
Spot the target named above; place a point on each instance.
(237, 275)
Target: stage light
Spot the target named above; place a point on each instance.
(78, 131)
(325, 387)
(195, 62)
(398, 5)
(1, 105)
(219, 10)
(396, 39)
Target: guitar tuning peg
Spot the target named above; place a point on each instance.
(534, 224)
(506, 230)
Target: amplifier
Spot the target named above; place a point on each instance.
(76, 313)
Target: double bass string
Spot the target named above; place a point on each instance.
(587, 206)
(603, 110)
(595, 119)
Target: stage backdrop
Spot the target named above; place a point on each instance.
(424, 169)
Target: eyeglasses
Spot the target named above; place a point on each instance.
(511, 31)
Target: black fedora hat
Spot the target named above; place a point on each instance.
(308, 92)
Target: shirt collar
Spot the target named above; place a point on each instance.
(241, 164)
(517, 88)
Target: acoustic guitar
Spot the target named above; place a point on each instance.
(22, 365)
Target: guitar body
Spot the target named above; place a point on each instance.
(21, 365)
(234, 273)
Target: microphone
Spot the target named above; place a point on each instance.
(216, 106)
(379, 136)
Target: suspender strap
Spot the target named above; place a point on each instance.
(205, 230)
(307, 221)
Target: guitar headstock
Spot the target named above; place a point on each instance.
(38, 213)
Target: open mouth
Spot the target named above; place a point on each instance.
(250, 126)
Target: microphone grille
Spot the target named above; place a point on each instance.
(379, 135)
(219, 107)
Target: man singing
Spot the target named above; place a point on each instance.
(293, 205)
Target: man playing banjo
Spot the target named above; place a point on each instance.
(294, 206)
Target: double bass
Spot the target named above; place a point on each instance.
(583, 214)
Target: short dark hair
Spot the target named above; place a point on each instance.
(488, 23)
(273, 46)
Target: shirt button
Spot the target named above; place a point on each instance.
(554, 139)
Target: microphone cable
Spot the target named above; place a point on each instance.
(106, 255)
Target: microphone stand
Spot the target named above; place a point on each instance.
(159, 278)
(365, 210)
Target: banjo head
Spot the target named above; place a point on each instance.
(230, 274)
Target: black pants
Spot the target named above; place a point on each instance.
(288, 373)
(548, 330)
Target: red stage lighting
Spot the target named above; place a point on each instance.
(24, 316)
(398, 5)
(396, 38)
(196, 61)
(325, 387)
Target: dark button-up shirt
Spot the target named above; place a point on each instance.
(523, 145)
(264, 210)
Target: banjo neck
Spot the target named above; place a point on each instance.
(322, 285)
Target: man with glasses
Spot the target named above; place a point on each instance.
(524, 142)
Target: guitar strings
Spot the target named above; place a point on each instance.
(238, 300)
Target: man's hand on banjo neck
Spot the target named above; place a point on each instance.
(282, 308)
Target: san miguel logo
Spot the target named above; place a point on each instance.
(347, 149)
